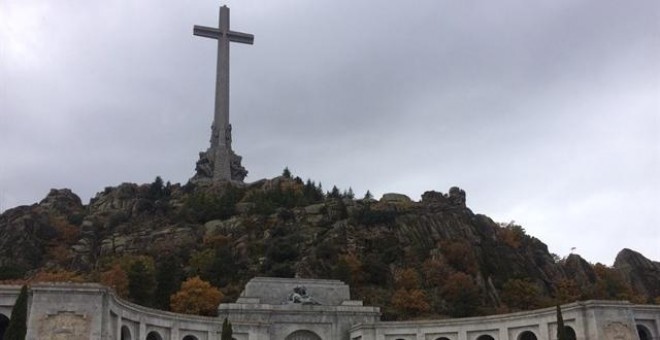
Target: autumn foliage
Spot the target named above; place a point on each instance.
(117, 279)
(57, 275)
(412, 302)
(196, 296)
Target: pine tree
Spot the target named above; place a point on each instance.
(140, 284)
(18, 323)
(286, 173)
(561, 331)
(226, 330)
(350, 193)
(368, 195)
(168, 280)
(156, 188)
(334, 193)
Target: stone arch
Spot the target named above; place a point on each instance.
(153, 335)
(527, 335)
(125, 333)
(643, 333)
(570, 333)
(485, 337)
(4, 323)
(190, 337)
(303, 335)
(443, 338)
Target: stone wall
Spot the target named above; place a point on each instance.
(590, 320)
(91, 311)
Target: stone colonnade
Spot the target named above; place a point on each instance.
(91, 311)
(602, 320)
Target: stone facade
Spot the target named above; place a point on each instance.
(301, 309)
(597, 320)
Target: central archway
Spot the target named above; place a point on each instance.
(570, 333)
(303, 335)
(485, 337)
(154, 336)
(527, 335)
(4, 323)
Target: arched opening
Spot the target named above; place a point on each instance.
(570, 333)
(190, 337)
(126, 333)
(154, 336)
(485, 337)
(4, 323)
(644, 333)
(527, 335)
(303, 335)
(443, 338)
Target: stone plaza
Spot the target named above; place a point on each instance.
(305, 309)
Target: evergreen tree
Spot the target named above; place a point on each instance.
(350, 193)
(227, 332)
(140, 284)
(156, 189)
(334, 193)
(223, 267)
(168, 279)
(18, 323)
(368, 195)
(286, 173)
(561, 331)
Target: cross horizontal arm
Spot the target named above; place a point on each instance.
(244, 38)
(214, 33)
(207, 32)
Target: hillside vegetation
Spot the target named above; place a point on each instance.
(432, 258)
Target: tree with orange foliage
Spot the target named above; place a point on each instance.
(407, 279)
(521, 294)
(57, 275)
(117, 279)
(435, 272)
(460, 256)
(566, 291)
(411, 302)
(610, 284)
(461, 294)
(196, 296)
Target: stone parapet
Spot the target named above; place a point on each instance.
(92, 311)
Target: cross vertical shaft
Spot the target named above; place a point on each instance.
(221, 115)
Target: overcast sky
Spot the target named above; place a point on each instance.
(545, 112)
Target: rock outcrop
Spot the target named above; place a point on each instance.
(284, 227)
(579, 270)
(642, 274)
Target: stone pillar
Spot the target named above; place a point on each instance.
(142, 332)
(504, 334)
(543, 329)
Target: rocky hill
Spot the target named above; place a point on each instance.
(434, 257)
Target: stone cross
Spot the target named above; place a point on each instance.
(220, 150)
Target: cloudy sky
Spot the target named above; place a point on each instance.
(546, 112)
